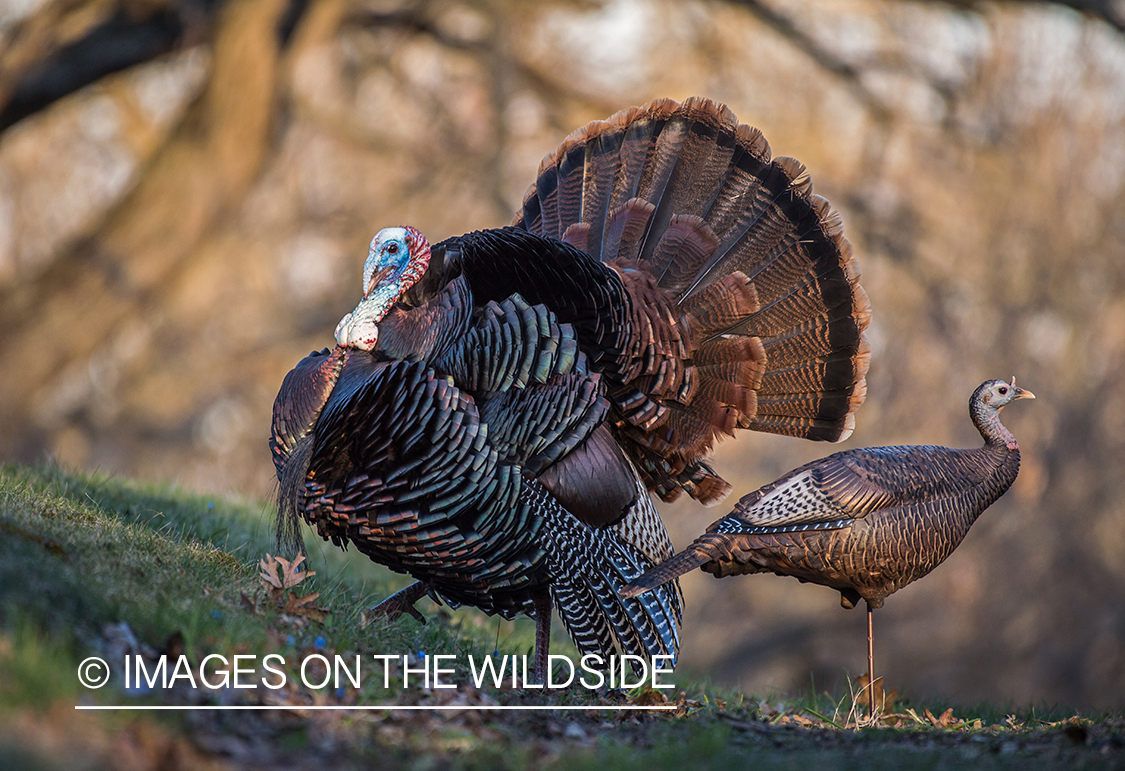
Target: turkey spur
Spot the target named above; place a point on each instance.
(500, 405)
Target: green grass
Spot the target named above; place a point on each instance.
(72, 566)
(79, 553)
(82, 551)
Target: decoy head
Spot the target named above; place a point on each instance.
(398, 257)
(985, 405)
(997, 394)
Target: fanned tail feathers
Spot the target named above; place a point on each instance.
(748, 309)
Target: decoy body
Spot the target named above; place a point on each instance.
(499, 405)
(866, 522)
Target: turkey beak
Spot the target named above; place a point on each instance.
(376, 278)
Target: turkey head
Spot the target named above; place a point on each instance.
(396, 260)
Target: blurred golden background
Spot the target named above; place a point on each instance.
(187, 189)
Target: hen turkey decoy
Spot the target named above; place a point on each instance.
(499, 405)
(867, 521)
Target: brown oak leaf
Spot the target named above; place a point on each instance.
(945, 721)
(302, 606)
(650, 697)
(290, 574)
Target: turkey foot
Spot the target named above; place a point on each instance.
(401, 602)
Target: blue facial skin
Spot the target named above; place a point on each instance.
(396, 260)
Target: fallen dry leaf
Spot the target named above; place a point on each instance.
(885, 702)
(291, 573)
(799, 720)
(650, 697)
(278, 574)
(301, 606)
(945, 721)
(685, 706)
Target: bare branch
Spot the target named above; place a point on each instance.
(67, 46)
(828, 61)
(1112, 12)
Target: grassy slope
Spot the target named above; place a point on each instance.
(78, 553)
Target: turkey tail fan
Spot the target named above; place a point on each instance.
(693, 197)
(628, 177)
(812, 317)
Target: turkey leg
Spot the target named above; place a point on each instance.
(542, 603)
(402, 601)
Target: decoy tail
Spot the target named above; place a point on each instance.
(689, 559)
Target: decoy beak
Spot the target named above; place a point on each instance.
(1020, 393)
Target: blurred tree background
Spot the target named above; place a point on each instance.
(187, 189)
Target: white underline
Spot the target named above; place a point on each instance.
(380, 707)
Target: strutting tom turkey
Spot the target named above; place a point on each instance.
(866, 522)
(499, 405)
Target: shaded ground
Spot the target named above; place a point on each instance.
(706, 739)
